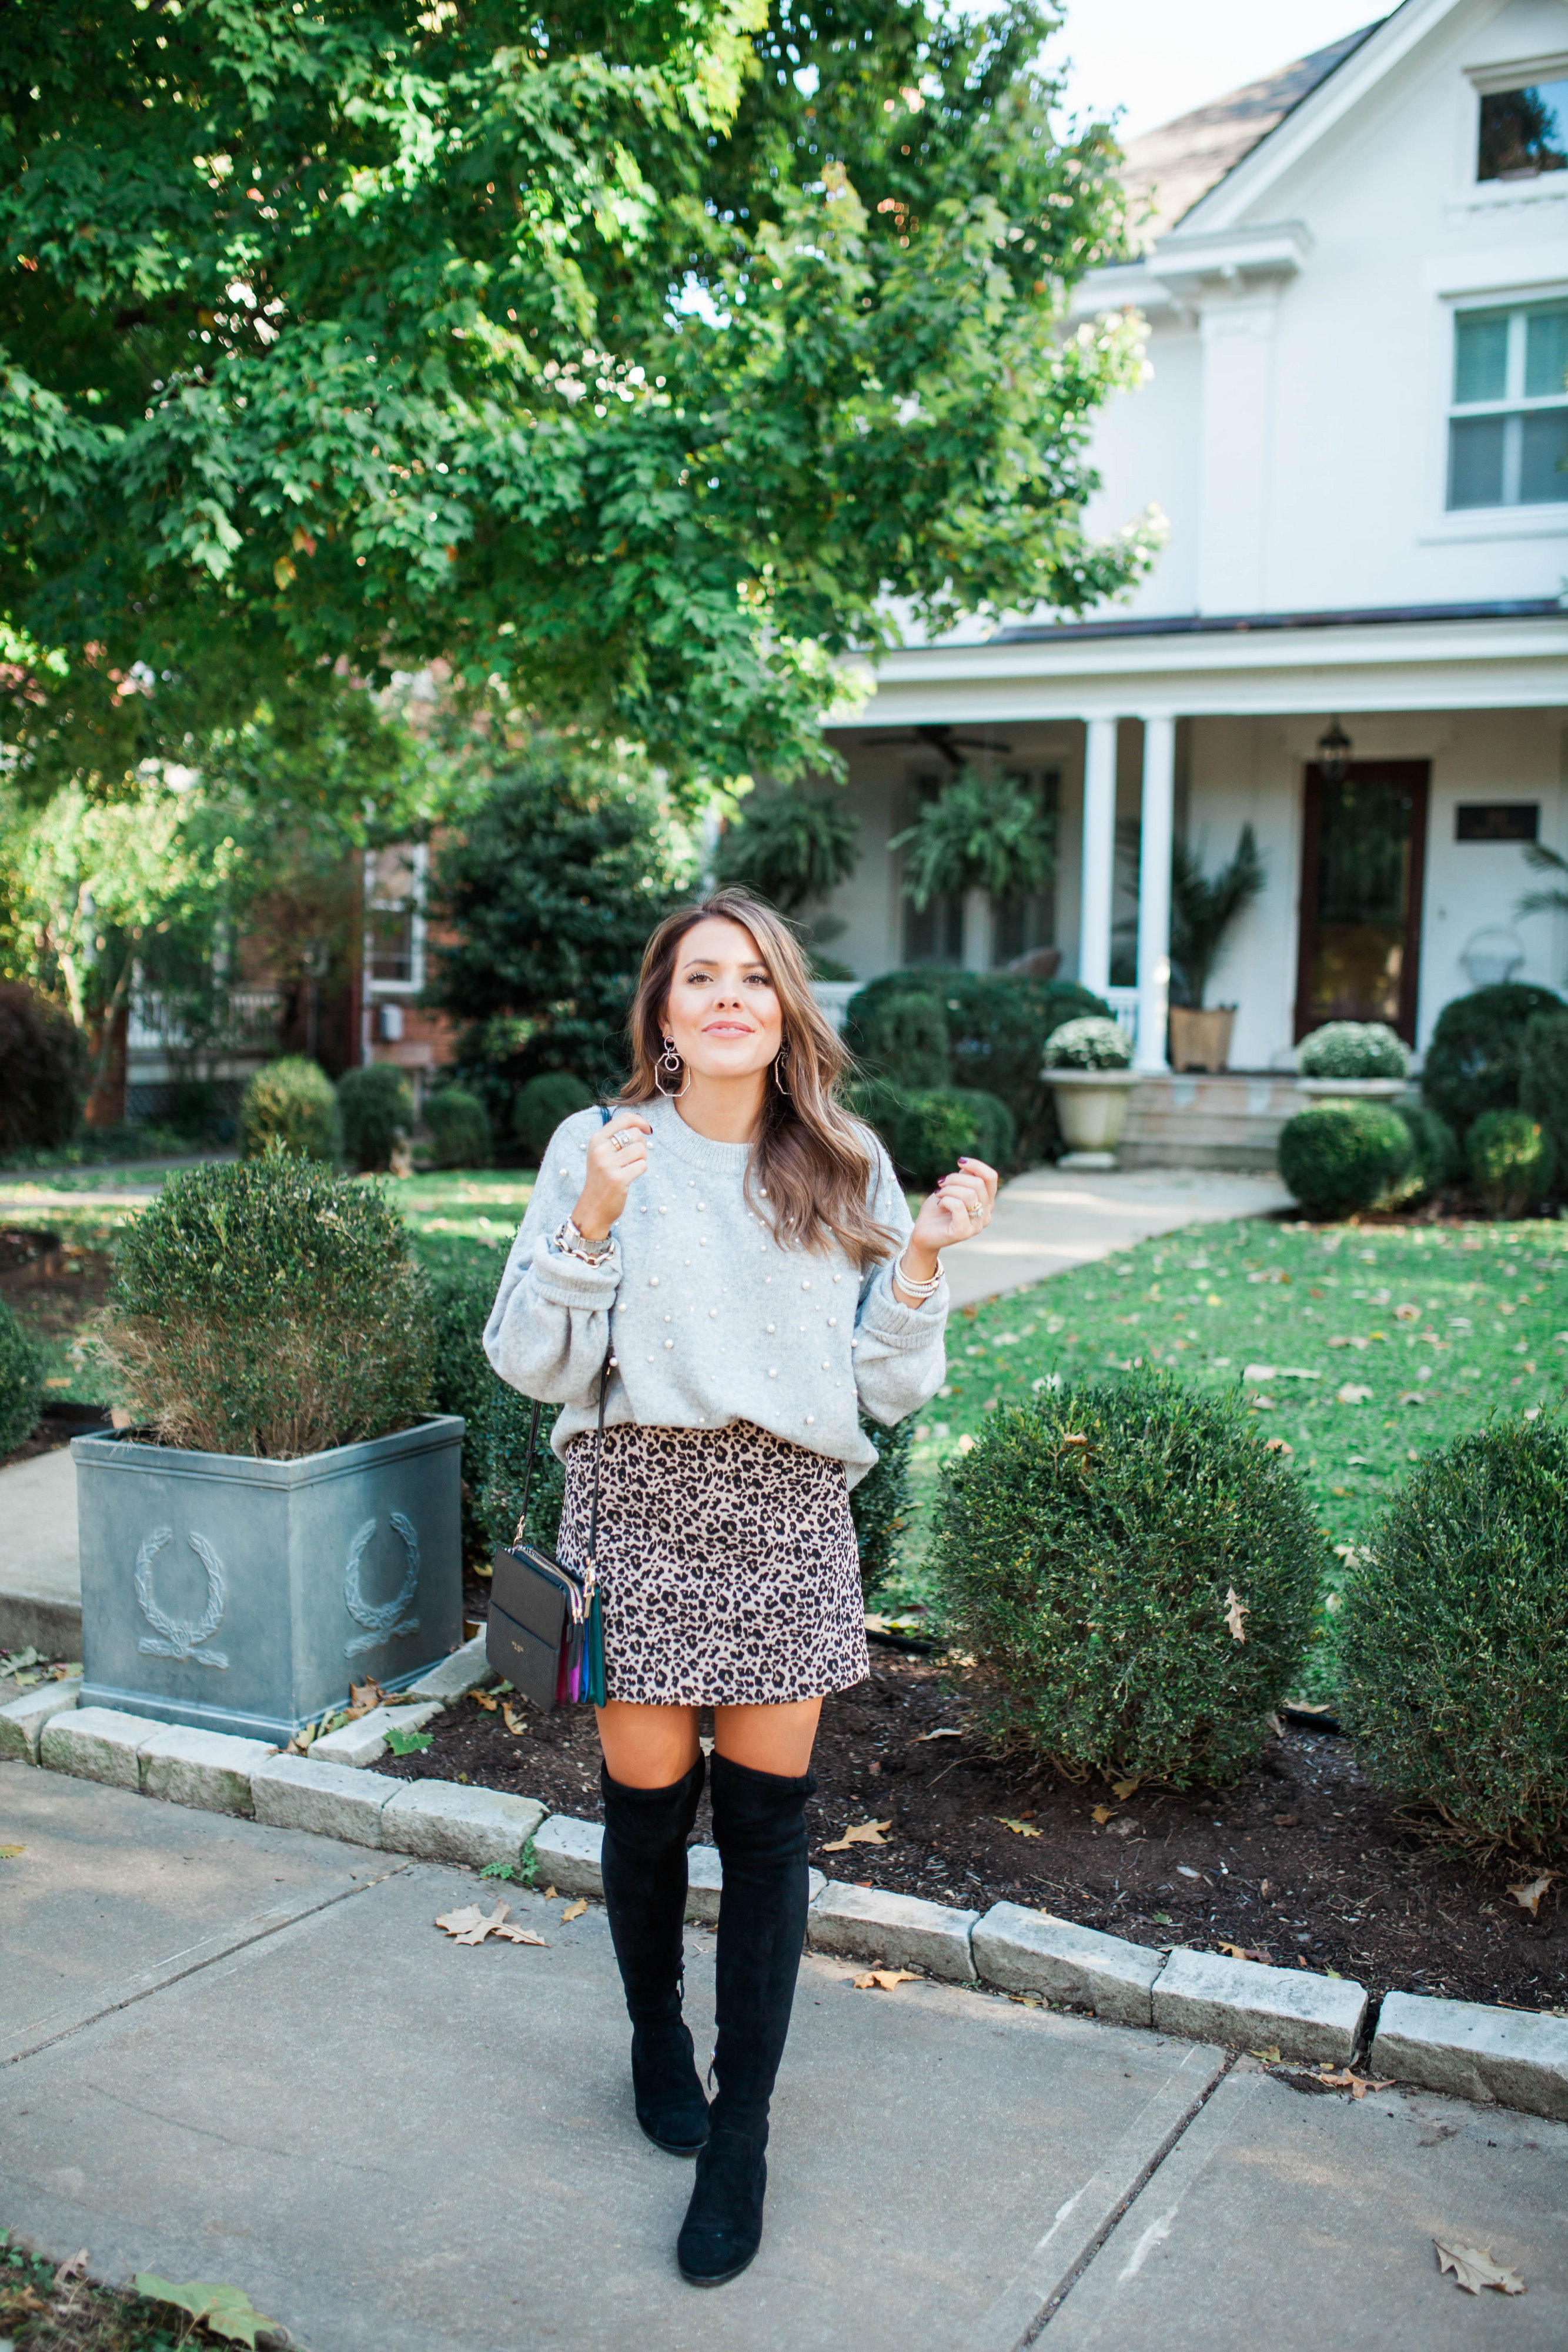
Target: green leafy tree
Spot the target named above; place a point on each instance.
(638, 358)
(546, 900)
(791, 847)
(983, 833)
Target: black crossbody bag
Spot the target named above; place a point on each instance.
(545, 1632)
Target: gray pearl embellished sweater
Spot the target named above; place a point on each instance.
(712, 1321)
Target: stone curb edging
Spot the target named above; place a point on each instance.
(1516, 2058)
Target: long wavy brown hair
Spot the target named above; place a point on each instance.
(815, 1163)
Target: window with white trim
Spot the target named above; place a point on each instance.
(395, 923)
(1507, 424)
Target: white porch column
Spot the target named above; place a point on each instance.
(1099, 855)
(1158, 831)
(976, 945)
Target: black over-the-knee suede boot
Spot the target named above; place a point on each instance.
(760, 1826)
(644, 1869)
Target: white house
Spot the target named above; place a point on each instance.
(1355, 418)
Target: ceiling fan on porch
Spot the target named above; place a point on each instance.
(943, 741)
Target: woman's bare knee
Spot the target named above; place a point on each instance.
(768, 1739)
(647, 1747)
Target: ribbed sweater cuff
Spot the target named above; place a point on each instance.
(566, 1281)
(889, 1320)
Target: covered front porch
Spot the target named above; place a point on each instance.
(1393, 861)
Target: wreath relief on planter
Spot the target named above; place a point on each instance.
(169, 1638)
(382, 1624)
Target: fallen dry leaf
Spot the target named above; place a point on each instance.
(574, 1910)
(884, 1979)
(471, 1925)
(1287, 1820)
(1103, 1814)
(1351, 1394)
(1270, 2057)
(483, 1698)
(1255, 1952)
(513, 1721)
(1235, 1613)
(1407, 1314)
(550, 1895)
(1125, 1789)
(947, 1731)
(1474, 2268)
(1529, 1892)
(863, 1833)
(9, 1853)
(1277, 1445)
(1357, 2085)
(521, 1935)
(1019, 1829)
(363, 1697)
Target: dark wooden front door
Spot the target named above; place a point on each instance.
(1364, 851)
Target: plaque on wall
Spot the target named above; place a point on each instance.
(1497, 821)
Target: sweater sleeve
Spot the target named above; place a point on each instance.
(900, 1358)
(550, 1328)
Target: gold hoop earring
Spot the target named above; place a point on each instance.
(670, 1061)
(779, 1059)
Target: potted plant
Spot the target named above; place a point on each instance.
(1352, 1061)
(1087, 1068)
(1203, 909)
(283, 1516)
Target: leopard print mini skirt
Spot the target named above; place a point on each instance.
(727, 1569)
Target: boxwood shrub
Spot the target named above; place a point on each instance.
(1543, 1079)
(1094, 1552)
(1510, 1161)
(1339, 1156)
(1352, 1049)
(459, 1127)
(541, 1106)
(1477, 1053)
(44, 1062)
(494, 1443)
(881, 1504)
(289, 1103)
(375, 1114)
(21, 1382)
(269, 1307)
(1453, 1629)
(927, 1133)
(1434, 1159)
(903, 1036)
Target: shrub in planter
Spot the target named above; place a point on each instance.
(1134, 1576)
(290, 1103)
(375, 1114)
(542, 1106)
(269, 1307)
(1435, 1158)
(459, 1125)
(903, 1037)
(1339, 1156)
(1352, 1049)
(1091, 1043)
(1452, 1632)
(882, 1504)
(1477, 1053)
(1543, 1079)
(21, 1384)
(42, 1067)
(1510, 1161)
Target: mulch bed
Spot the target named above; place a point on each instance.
(1299, 1860)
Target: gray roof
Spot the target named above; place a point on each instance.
(1168, 169)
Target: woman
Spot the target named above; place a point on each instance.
(748, 1248)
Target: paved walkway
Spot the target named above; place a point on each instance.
(246, 2054)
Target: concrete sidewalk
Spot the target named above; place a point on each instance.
(246, 2054)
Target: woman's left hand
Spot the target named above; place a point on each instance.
(961, 1206)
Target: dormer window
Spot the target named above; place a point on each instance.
(1524, 131)
(1507, 428)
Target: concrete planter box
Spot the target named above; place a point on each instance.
(1353, 1089)
(1091, 1112)
(243, 1596)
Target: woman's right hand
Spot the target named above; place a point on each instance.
(611, 1170)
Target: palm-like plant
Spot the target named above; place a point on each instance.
(984, 832)
(1203, 908)
(790, 847)
(1544, 902)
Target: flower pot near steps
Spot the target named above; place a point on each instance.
(1091, 1112)
(1353, 1089)
(242, 1595)
(1201, 1041)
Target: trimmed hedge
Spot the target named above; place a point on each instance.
(882, 1504)
(459, 1127)
(927, 1134)
(289, 1103)
(494, 1443)
(1340, 1157)
(541, 1106)
(21, 1384)
(1352, 1049)
(43, 1066)
(1094, 1555)
(1543, 1079)
(269, 1307)
(1452, 1632)
(903, 1037)
(1476, 1053)
(1435, 1156)
(375, 1112)
(1511, 1160)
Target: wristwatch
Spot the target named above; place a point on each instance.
(571, 1244)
